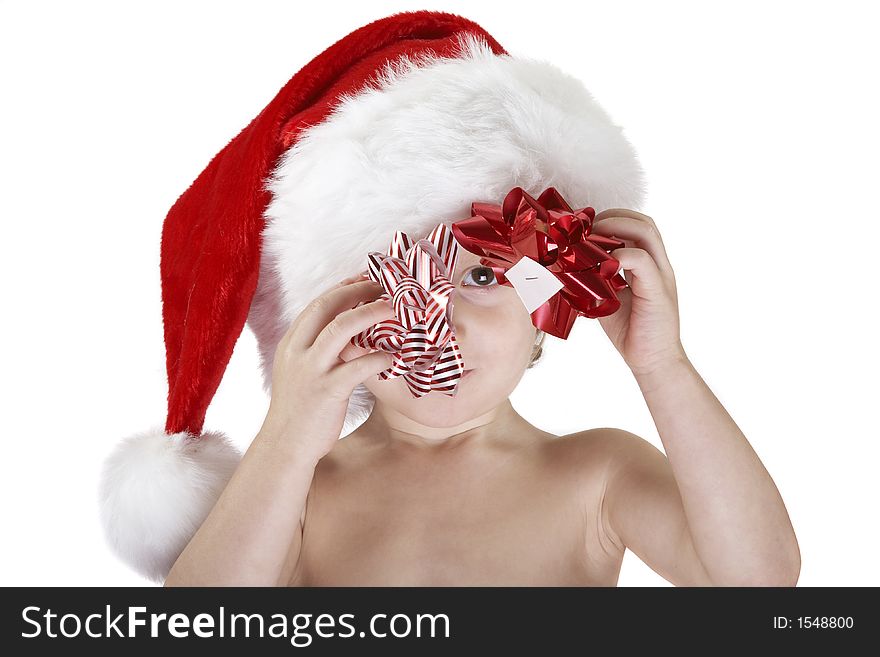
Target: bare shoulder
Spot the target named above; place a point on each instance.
(616, 464)
(341, 459)
(614, 444)
(582, 458)
(347, 450)
(606, 453)
(599, 444)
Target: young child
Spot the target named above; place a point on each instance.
(464, 491)
(433, 489)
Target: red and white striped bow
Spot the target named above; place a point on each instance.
(421, 337)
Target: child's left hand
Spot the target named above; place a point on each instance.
(645, 329)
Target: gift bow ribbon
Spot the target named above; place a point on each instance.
(557, 237)
(421, 338)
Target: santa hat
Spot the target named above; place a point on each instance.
(398, 126)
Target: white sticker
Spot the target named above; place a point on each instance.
(533, 282)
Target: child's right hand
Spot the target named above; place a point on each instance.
(316, 368)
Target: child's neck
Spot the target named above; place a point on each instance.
(386, 423)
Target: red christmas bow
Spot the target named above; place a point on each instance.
(557, 237)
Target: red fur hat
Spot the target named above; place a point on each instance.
(397, 126)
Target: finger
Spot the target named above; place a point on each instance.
(642, 233)
(353, 279)
(342, 328)
(647, 280)
(323, 308)
(622, 212)
(351, 351)
(624, 295)
(360, 369)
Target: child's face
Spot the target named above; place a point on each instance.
(496, 337)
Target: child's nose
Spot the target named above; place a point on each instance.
(458, 321)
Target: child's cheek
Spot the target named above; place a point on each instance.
(485, 297)
(492, 309)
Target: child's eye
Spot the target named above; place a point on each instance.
(484, 277)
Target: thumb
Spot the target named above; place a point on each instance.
(645, 278)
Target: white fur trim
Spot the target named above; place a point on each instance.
(156, 490)
(436, 135)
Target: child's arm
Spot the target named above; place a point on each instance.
(256, 524)
(711, 513)
(253, 535)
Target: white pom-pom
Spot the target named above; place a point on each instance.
(157, 489)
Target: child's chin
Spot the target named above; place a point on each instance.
(434, 406)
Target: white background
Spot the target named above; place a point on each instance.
(756, 124)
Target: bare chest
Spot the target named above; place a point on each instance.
(520, 522)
